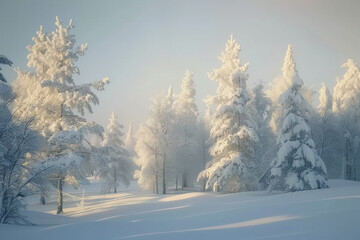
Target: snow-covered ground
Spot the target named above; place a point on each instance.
(332, 213)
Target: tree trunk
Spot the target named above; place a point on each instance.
(184, 181)
(156, 183)
(348, 162)
(176, 182)
(42, 200)
(163, 176)
(115, 180)
(204, 152)
(60, 194)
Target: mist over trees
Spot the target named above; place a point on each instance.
(249, 138)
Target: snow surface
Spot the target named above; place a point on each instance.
(332, 213)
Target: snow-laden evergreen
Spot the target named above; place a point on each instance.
(130, 141)
(297, 165)
(116, 166)
(265, 149)
(186, 114)
(281, 83)
(347, 90)
(325, 100)
(153, 140)
(232, 128)
(51, 96)
(346, 105)
(327, 134)
(4, 61)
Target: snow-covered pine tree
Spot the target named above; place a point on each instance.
(203, 147)
(4, 61)
(186, 114)
(260, 107)
(327, 135)
(232, 128)
(52, 97)
(117, 164)
(280, 84)
(346, 105)
(153, 141)
(297, 165)
(5, 89)
(325, 100)
(130, 142)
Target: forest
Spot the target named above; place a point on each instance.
(269, 138)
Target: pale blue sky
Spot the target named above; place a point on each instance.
(144, 46)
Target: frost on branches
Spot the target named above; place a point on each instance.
(327, 134)
(185, 130)
(129, 142)
(20, 175)
(232, 130)
(51, 96)
(325, 100)
(260, 107)
(153, 141)
(297, 165)
(116, 167)
(281, 83)
(347, 90)
(346, 106)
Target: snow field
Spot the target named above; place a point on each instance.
(318, 214)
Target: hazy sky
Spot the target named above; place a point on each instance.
(144, 46)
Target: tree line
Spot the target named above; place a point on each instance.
(248, 139)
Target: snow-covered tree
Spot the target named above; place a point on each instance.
(203, 147)
(346, 91)
(232, 128)
(186, 114)
(265, 149)
(130, 142)
(281, 83)
(116, 167)
(346, 105)
(51, 96)
(297, 165)
(325, 100)
(4, 61)
(5, 89)
(327, 134)
(20, 175)
(153, 141)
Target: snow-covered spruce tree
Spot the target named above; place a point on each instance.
(280, 84)
(203, 147)
(5, 89)
(4, 61)
(153, 141)
(327, 135)
(325, 100)
(52, 97)
(297, 165)
(232, 130)
(117, 163)
(186, 114)
(130, 142)
(346, 105)
(260, 107)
